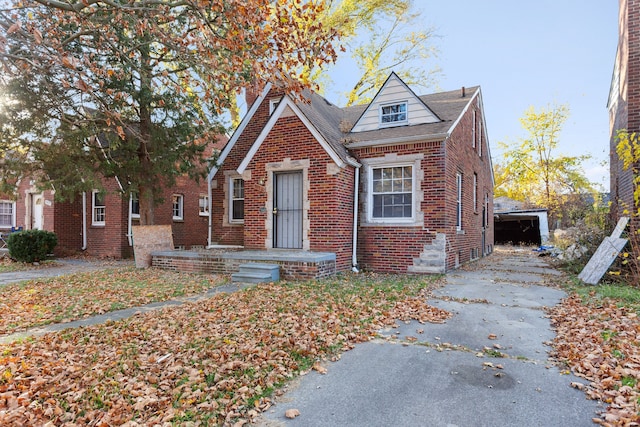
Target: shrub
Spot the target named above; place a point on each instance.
(31, 245)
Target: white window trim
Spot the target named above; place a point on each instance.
(392, 160)
(480, 138)
(273, 104)
(396, 123)
(459, 201)
(13, 213)
(131, 199)
(475, 192)
(94, 208)
(180, 199)
(204, 212)
(233, 220)
(473, 128)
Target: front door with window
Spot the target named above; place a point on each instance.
(287, 210)
(37, 211)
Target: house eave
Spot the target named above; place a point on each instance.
(399, 140)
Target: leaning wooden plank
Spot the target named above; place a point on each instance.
(602, 260)
(622, 224)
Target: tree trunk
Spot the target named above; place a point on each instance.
(146, 189)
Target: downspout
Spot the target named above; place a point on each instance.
(129, 222)
(209, 212)
(84, 221)
(356, 191)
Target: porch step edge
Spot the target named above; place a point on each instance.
(248, 277)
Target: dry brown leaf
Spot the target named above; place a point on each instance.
(291, 413)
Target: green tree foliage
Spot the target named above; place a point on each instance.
(531, 169)
(381, 36)
(135, 90)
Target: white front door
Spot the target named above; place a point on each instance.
(37, 211)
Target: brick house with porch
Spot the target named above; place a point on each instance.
(99, 223)
(402, 184)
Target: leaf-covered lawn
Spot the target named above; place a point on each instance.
(599, 340)
(213, 362)
(72, 297)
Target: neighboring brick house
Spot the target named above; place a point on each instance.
(624, 107)
(99, 224)
(403, 184)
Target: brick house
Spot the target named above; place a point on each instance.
(624, 108)
(402, 184)
(99, 224)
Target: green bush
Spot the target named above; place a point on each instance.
(31, 245)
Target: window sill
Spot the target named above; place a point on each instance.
(391, 224)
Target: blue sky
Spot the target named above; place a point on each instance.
(525, 54)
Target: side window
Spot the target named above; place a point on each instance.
(459, 201)
(203, 205)
(135, 205)
(6, 214)
(99, 208)
(178, 205)
(236, 202)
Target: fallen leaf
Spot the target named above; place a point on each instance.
(319, 368)
(291, 413)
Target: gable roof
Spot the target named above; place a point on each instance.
(394, 91)
(448, 106)
(319, 116)
(236, 134)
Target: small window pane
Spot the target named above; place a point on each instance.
(6, 214)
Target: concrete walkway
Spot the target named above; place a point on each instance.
(451, 375)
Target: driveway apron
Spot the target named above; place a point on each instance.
(486, 366)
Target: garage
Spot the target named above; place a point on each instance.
(521, 227)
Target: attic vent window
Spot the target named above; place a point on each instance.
(392, 114)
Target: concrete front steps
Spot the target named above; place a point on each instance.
(433, 258)
(257, 273)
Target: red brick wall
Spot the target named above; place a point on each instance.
(624, 104)
(330, 197)
(463, 158)
(388, 248)
(222, 232)
(392, 248)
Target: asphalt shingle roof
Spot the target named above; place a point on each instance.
(334, 122)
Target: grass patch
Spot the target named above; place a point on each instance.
(75, 296)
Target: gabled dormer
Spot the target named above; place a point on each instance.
(394, 105)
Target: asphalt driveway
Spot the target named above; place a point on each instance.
(486, 366)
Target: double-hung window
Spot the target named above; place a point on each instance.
(393, 114)
(203, 205)
(6, 214)
(236, 202)
(99, 208)
(458, 201)
(392, 193)
(178, 207)
(135, 205)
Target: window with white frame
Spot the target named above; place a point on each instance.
(391, 195)
(473, 128)
(236, 200)
(393, 114)
(203, 205)
(6, 213)
(475, 192)
(480, 138)
(459, 201)
(273, 104)
(135, 205)
(99, 208)
(178, 207)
